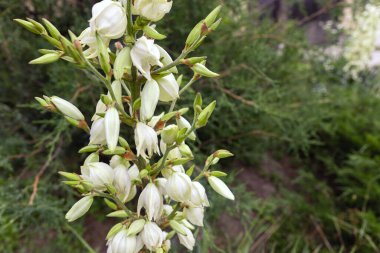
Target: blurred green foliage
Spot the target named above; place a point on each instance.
(273, 103)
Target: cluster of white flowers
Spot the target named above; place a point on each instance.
(363, 40)
(152, 186)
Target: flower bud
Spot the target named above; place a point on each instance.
(220, 187)
(92, 158)
(205, 115)
(121, 242)
(112, 127)
(149, 99)
(194, 35)
(67, 108)
(52, 29)
(123, 63)
(116, 88)
(46, 59)
(136, 227)
(198, 195)
(151, 199)
(79, 208)
(169, 88)
(183, 123)
(27, 25)
(152, 236)
(117, 160)
(108, 19)
(169, 134)
(178, 187)
(152, 33)
(202, 70)
(210, 19)
(99, 174)
(185, 150)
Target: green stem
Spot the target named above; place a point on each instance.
(164, 157)
(80, 238)
(114, 198)
(174, 63)
(172, 214)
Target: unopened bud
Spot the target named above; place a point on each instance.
(205, 115)
(210, 19)
(51, 28)
(79, 208)
(202, 70)
(169, 134)
(123, 63)
(27, 25)
(67, 108)
(46, 59)
(152, 33)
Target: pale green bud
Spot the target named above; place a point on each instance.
(89, 149)
(220, 187)
(67, 108)
(116, 88)
(218, 174)
(152, 33)
(169, 134)
(79, 208)
(38, 26)
(104, 57)
(202, 70)
(177, 227)
(68, 175)
(136, 227)
(194, 35)
(193, 60)
(114, 230)
(41, 101)
(185, 150)
(210, 19)
(222, 153)
(27, 25)
(118, 214)
(205, 115)
(51, 28)
(123, 63)
(46, 59)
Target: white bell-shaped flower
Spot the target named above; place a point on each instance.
(112, 127)
(146, 140)
(220, 187)
(152, 236)
(117, 160)
(100, 108)
(122, 182)
(153, 10)
(122, 243)
(169, 88)
(187, 240)
(178, 187)
(198, 195)
(166, 59)
(79, 208)
(98, 133)
(99, 174)
(109, 19)
(149, 99)
(145, 54)
(194, 214)
(88, 38)
(151, 199)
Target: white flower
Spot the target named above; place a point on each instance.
(198, 195)
(153, 10)
(139, 244)
(67, 108)
(169, 88)
(133, 172)
(112, 127)
(151, 199)
(152, 236)
(187, 240)
(161, 185)
(168, 171)
(108, 19)
(122, 182)
(220, 187)
(146, 140)
(100, 108)
(99, 174)
(88, 38)
(149, 99)
(122, 243)
(178, 187)
(173, 154)
(117, 160)
(194, 215)
(98, 133)
(183, 123)
(79, 208)
(145, 54)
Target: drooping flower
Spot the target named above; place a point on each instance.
(112, 127)
(169, 88)
(99, 174)
(146, 140)
(153, 10)
(178, 187)
(108, 19)
(194, 215)
(187, 240)
(121, 242)
(145, 54)
(98, 133)
(152, 236)
(149, 99)
(151, 199)
(122, 182)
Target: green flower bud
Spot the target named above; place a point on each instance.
(79, 208)
(104, 57)
(118, 214)
(169, 134)
(27, 25)
(177, 227)
(123, 63)
(205, 115)
(202, 70)
(46, 59)
(51, 28)
(89, 149)
(67, 108)
(152, 33)
(68, 175)
(209, 20)
(114, 230)
(136, 227)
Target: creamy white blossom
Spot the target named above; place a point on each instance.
(178, 187)
(149, 99)
(198, 194)
(88, 39)
(194, 215)
(146, 140)
(169, 88)
(187, 240)
(100, 108)
(122, 182)
(151, 199)
(122, 243)
(152, 236)
(112, 127)
(108, 19)
(166, 59)
(153, 10)
(98, 133)
(99, 174)
(220, 187)
(145, 54)
(183, 123)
